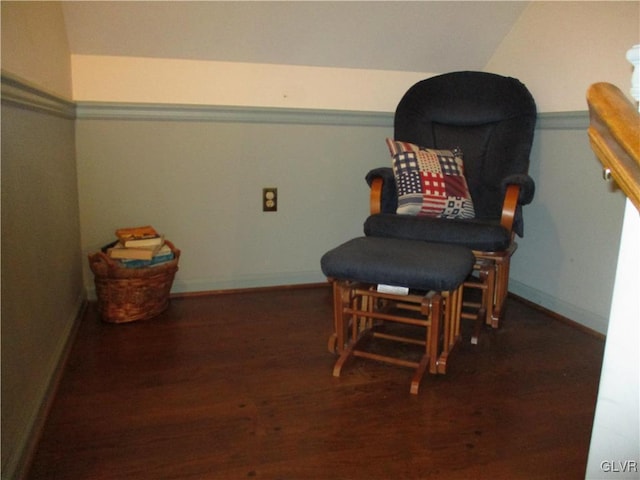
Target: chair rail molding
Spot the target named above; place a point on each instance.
(569, 120)
(23, 94)
(20, 93)
(221, 113)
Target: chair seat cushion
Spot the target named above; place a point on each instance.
(404, 263)
(474, 234)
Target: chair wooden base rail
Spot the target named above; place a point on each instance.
(501, 260)
(361, 313)
(483, 310)
(500, 263)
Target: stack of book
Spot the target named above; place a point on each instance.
(138, 247)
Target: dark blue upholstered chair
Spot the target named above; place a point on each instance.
(491, 118)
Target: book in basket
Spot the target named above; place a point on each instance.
(163, 255)
(119, 251)
(138, 236)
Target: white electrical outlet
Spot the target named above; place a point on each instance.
(269, 199)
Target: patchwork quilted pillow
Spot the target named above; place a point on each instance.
(430, 182)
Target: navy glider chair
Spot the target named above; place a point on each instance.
(491, 119)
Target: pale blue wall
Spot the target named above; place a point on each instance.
(567, 259)
(42, 289)
(197, 175)
(200, 183)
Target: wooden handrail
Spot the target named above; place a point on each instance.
(614, 133)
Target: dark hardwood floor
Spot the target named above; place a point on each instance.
(239, 386)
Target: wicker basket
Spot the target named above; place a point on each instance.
(129, 294)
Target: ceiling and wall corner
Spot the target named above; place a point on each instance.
(35, 47)
(321, 55)
(559, 63)
(325, 55)
(388, 35)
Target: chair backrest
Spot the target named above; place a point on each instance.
(490, 117)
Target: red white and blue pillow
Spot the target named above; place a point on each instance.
(430, 182)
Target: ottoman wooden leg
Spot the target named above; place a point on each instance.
(453, 305)
(341, 300)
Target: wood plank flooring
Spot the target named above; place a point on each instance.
(239, 386)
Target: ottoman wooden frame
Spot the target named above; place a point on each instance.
(359, 310)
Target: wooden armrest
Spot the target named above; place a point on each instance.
(375, 196)
(509, 207)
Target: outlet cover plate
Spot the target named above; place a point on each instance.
(270, 199)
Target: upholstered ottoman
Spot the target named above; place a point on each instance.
(378, 280)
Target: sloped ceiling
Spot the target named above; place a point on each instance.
(421, 36)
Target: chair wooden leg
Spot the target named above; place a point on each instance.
(341, 299)
(453, 311)
(487, 276)
(489, 301)
(480, 312)
(501, 261)
(417, 377)
(347, 353)
(334, 342)
(501, 290)
(432, 307)
(451, 318)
